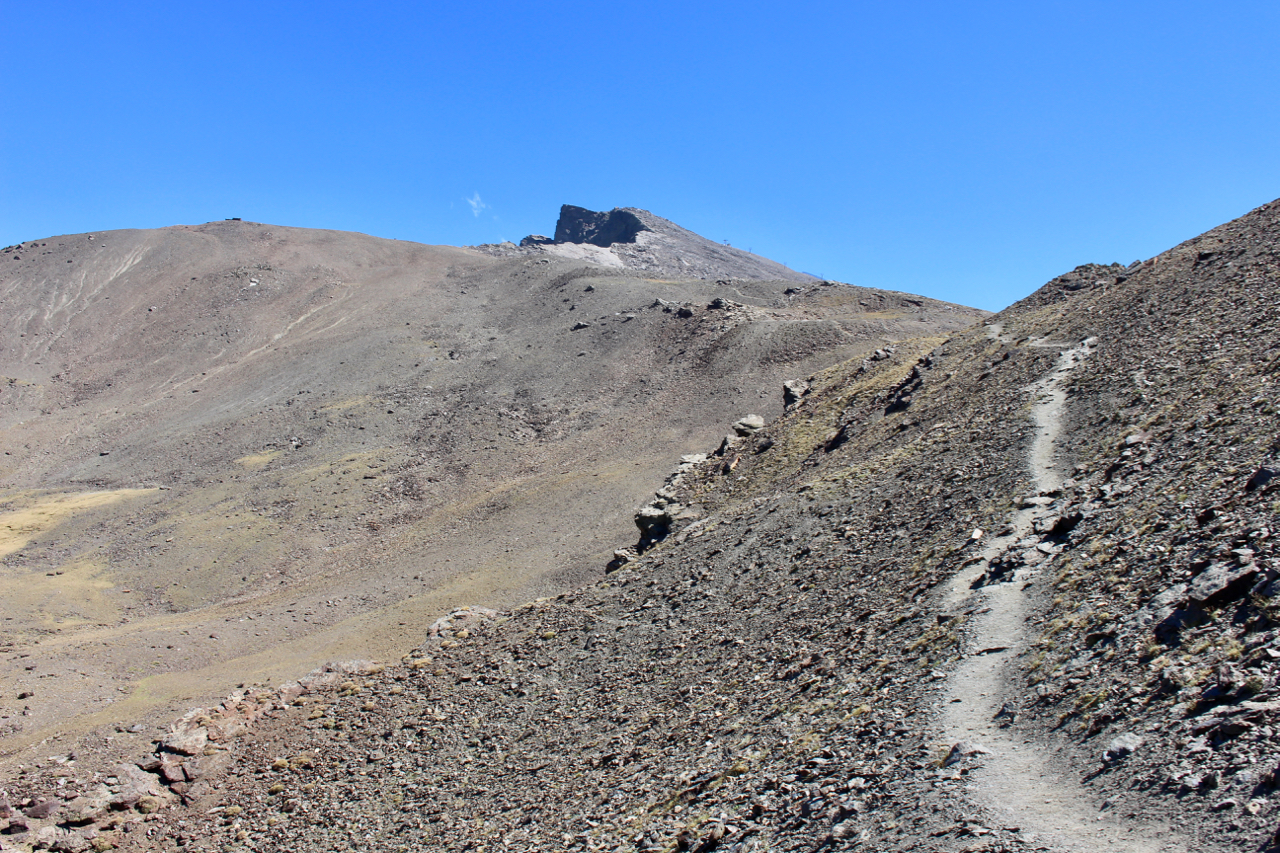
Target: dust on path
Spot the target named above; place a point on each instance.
(1015, 781)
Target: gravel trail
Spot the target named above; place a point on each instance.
(1014, 780)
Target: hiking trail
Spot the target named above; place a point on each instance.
(1015, 780)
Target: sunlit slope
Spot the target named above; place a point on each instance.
(322, 435)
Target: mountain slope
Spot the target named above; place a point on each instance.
(1092, 472)
(235, 451)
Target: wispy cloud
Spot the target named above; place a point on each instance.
(476, 204)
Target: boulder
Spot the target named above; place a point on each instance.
(205, 765)
(189, 740)
(653, 515)
(15, 824)
(1259, 478)
(794, 391)
(461, 619)
(171, 769)
(59, 840)
(87, 808)
(1219, 581)
(962, 750)
(1121, 746)
(749, 425)
(134, 784)
(41, 810)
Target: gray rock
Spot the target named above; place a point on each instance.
(964, 749)
(652, 516)
(641, 240)
(41, 810)
(794, 391)
(749, 425)
(1259, 478)
(189, 741)
(1121, 746)
(1159, 608)
(134, 784)
(60, 840)
(87, 807)
(599, 228)
(171, 770)
(206, 765)
(1216, 579)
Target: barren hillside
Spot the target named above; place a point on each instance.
(1011, 589)
(234, 451)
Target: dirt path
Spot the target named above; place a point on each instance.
(1015, 781)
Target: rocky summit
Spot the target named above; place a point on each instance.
(1010, 586)
(636, 239)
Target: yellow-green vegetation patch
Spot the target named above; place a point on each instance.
(258, 461)
(70, 596)
(349, 403)
(38, 515)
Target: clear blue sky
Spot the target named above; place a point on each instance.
(967, 151)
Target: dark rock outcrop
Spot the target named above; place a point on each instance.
(639, 240)
(599, 228)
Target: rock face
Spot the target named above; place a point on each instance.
(579, 225)
(637, 239)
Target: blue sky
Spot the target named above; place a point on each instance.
(966, 151)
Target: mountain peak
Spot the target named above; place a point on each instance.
(603, 228)
(637, 239)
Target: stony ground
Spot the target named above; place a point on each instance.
(774, 673)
